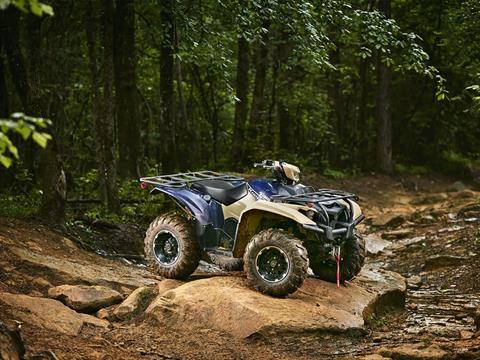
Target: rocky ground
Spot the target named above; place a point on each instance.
(418, 297)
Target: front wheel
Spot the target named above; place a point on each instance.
(276, 263)
(171, 248)
(352, 256)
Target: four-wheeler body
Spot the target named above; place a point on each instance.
(274, 228)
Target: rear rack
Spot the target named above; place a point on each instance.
(319, 196)
(184, 179)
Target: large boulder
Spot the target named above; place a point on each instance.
(228, 304)
(49, 314)
(85, 267)
(85, 298)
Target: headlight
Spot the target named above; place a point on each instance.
(310, 214)
(296, 175)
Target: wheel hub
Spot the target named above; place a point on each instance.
(165, 248)
(272, 264)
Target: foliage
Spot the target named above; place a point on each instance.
(318, 100)
(27, 127)
(33, 6)
(334, 174)
(20, 205)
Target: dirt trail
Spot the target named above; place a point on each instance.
(430, 236)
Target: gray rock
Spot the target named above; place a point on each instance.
(476, 317)
(135, 303)
(414, 352)
(105, 314)
(49, 314)
(470, 210)
(388, 220)
(457, 186)
(396, 234)
(86, 268)
(228, 304)
(374, 357)
(85, 298)
(430, 199)
(11, 343)
(414, 282)
(427, 219)
(375, 245)
(440, 261)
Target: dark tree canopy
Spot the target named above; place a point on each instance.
(145, 87)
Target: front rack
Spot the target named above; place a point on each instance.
(319, 196)
(184, 179)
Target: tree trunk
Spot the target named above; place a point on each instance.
(261, 62)
(241, 106)
(53, 183)
(10, 21)
(384, 135)
(49, 104)
(109, 102)
(185, 141)
(104, 145)
(363, 123)
(282, 92)
(4, 110)
(167, 116)
(126, 101)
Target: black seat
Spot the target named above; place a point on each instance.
(223, 191)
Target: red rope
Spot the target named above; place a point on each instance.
(338, 271)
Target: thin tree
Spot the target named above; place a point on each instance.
(261, 63)
(241, 106)
(384, 134)
(126, 101)
(167, 115)
(103, 115)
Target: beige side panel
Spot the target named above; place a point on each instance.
(234, 210)
(253, 215)
(286, 210)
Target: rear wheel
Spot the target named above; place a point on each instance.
(171, 248)
(352, 259)
(276, 262)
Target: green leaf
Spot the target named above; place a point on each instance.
(5, 161)
(13, 149)
(47, 9)
(24, 131)
(40, 139)
(4, 4)
(35, 7)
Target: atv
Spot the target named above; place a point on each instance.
(275, 229)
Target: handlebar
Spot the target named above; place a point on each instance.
(266, 164)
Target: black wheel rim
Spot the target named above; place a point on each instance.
(272, 264)
(165, 248)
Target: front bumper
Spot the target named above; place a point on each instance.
(342, 230)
